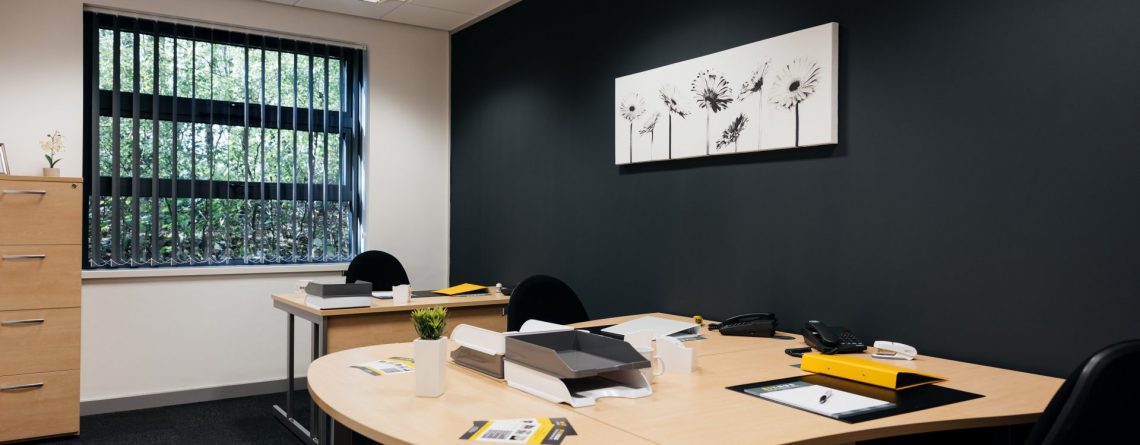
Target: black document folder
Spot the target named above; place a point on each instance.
(907, 400)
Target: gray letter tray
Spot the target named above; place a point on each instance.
(573, 354)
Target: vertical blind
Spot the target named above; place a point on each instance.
(213, 147)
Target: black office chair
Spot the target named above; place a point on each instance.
(1092, 405)
(379, 268)
(545, 298)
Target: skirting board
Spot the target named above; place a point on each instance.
(92, 407)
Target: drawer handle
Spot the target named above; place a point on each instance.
(19, 387)
(24, 257)
(16, 322)
(25, 192)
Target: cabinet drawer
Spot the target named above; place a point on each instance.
(33, 277)
(35, 405)
(40, 212)
(39, 340)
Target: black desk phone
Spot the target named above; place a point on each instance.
(760, 324)
(829, 340)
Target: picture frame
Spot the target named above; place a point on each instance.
(4, 168)
(778, 93)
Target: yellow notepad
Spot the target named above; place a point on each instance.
(460, 289)
(867, 371)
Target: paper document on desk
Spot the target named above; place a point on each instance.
(820, 399)
(659, 326)
(546, 431)
(388, 366)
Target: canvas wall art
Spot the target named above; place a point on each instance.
(781, 92)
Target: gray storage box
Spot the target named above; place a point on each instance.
(327, 290)
(573, 354)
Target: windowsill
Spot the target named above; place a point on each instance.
(212, 271)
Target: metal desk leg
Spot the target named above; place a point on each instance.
(320, 348)
(289, 369)
(341, 435)
(313, 411)
(323, 430)
(285, 416)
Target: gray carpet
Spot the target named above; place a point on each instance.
(245, 420)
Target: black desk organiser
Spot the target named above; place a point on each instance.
(907, 400)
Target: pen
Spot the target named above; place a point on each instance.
(824, 398)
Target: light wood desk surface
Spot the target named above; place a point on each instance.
(684, 408)
(386, 409)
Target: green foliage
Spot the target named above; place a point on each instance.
(226, 230)
(430, 322)
(218, 71)
(51, 161)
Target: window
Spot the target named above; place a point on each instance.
(208, 147)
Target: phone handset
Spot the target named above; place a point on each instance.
(744, 318)
(757, 324)
(827, 340)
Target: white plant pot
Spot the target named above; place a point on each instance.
(51, 171)
(430, 356)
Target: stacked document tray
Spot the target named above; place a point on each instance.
(573, 354)
(574, 367)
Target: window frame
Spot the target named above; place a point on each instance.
(134, 106)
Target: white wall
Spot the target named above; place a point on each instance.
(145, 336)
(154, 335)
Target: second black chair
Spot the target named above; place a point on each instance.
(545, 298)
(1092, 405)
(379, 268)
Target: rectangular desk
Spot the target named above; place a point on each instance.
(684, 408)
(384, 322)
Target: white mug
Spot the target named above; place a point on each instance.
(656, 365)
(401, 294)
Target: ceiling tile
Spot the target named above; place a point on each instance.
(476, 7)
(428, 17)
(353, 7)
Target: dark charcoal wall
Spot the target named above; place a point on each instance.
(983, 204)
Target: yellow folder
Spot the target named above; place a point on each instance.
(867, 371)
(460, 289)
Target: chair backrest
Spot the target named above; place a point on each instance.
(545, 298)
(379, 268)
(1093, 404)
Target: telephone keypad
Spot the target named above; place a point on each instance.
(846, 337)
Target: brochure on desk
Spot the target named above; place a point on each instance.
(885, 402)
(536, 431)
(388, 366)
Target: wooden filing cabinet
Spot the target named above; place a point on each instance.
(40, 254)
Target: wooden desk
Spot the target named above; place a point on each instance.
(383, 322)
(684, 408)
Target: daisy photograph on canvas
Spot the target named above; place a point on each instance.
(777, 93)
